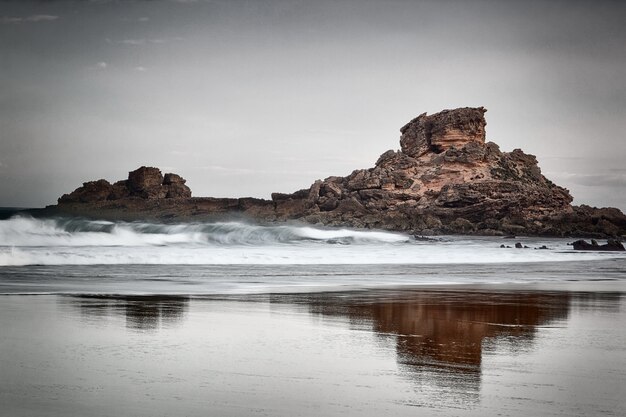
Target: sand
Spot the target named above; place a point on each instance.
(467, 351)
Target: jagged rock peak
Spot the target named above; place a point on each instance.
(144, 182)
(441, 131)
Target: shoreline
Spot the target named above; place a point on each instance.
(227, 281)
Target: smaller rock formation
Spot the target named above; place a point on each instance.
(90, 192)
(611, 245)
(145, 183)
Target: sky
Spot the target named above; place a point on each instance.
(245, 98)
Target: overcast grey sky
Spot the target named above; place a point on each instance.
(244, 98)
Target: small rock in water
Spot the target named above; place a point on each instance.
(611, 245)
(518, 245)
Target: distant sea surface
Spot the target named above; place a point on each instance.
(136, 319)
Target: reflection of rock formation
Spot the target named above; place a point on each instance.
(442, 335)
(141, 312)
(448, 330)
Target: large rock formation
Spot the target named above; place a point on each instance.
(445, 179)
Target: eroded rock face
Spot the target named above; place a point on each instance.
(443, 130)
(445, 179)
(146, 182)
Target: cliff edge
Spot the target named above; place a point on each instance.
(446, 178)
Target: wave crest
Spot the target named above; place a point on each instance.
(27, 231)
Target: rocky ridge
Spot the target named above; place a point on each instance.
(445, 179)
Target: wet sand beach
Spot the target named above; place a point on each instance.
(466, 351)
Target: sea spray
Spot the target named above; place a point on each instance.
(28, 231)
(75, 241)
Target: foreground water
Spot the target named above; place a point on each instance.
(474, 352)
(231, 319)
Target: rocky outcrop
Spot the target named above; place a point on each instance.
(145, 183)
(445, 179)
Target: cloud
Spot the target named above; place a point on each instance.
(142, 41)
(143, 19)
(133, 41)
(28, 19)
(141, 69)
(99, 66)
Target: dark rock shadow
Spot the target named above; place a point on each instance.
(142, 313)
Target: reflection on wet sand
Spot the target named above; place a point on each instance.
(141, 312)
(442, 336)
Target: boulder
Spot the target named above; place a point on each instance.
(175, 186)
(146, 182)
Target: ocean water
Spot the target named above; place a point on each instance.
(101, 257)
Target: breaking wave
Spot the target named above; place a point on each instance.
(73, 241)
(27, 231)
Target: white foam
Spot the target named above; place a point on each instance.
(28, 241)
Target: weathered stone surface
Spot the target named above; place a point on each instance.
(443, 130)
(146, 182)
(446, 179)
(89, 192)
(175, 186)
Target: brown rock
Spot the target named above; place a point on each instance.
(445, 179)
(175, 186)
(443, 130)
(146, 182)
(89, 192)
(611, 245)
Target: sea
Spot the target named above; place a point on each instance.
(80, 256)
(103, 318)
